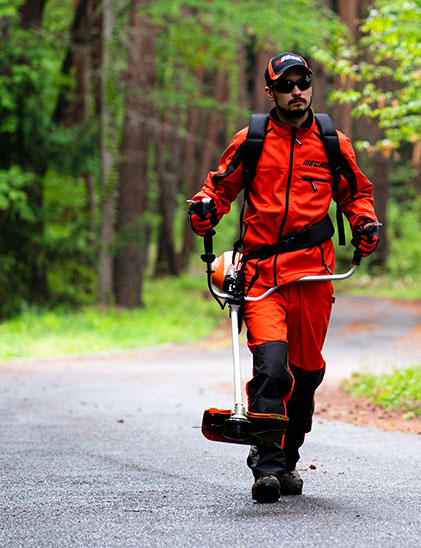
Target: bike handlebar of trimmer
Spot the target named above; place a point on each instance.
(208, 257)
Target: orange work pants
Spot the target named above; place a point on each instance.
(297, 313)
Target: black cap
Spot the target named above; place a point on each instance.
(282, 62)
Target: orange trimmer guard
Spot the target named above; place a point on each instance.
(265, 428)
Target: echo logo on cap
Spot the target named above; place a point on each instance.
(288, 57)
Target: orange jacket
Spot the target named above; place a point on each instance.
(292, 190)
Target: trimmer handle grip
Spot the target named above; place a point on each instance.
(205, 206)
(356, 258)
(208, 242)
(202, 208)
(208, 256)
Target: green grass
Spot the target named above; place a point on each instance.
(381, 286)
(398, 390)
(176, 310)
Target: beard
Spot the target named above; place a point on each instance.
(295, 113)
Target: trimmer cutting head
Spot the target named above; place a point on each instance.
(262, 429)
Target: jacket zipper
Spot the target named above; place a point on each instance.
(312, 179)
(291, 156)
(323, 259)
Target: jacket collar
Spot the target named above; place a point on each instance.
(284, 129)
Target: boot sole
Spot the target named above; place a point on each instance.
(266, 494)
(286, 492)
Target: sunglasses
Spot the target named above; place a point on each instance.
(286, 86)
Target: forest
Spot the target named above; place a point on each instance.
(113, 111)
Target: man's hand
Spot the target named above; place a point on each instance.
(366, 238)
(202, 222)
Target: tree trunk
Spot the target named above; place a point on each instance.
(84, 75)
(168, 150)
(139, 118)
(108, 136)
(376, 164)
(244, 99)
(205, 148)
(349, 12)
(260, 103)
(379, 176)
(77, 107)
(4, 28)
(31, 14)
(191, 179)
(416, 164)
(79, 37)
(95, 17)
(212, 127)
(320, 87)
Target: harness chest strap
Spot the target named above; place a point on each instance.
(307, 238)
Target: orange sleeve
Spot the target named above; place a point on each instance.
(224, 184)
(355, 197)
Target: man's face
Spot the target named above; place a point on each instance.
(291, 105)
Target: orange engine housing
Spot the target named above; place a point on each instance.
(224, 270)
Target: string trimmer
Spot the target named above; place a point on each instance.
(238, 425)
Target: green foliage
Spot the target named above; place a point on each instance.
(215, 30)
(68, 241)
(209, 35)
(37, 157)
(167, 318)
(13, 196)
(9, 9)
(18, 216)
(404, 227)
(384, 70)
(393, 40)
(401, 277)
(399, 390)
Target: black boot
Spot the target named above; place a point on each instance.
(291, 483)
(266, 489)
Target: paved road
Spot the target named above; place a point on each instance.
(101, 451)
(374, 335)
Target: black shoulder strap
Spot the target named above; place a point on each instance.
(330, 141)
(254, 144)
(252, 150)
(337, 163)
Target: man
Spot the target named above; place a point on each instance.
(289, 194)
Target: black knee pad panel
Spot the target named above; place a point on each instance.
(307, 381)
(272, 380)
